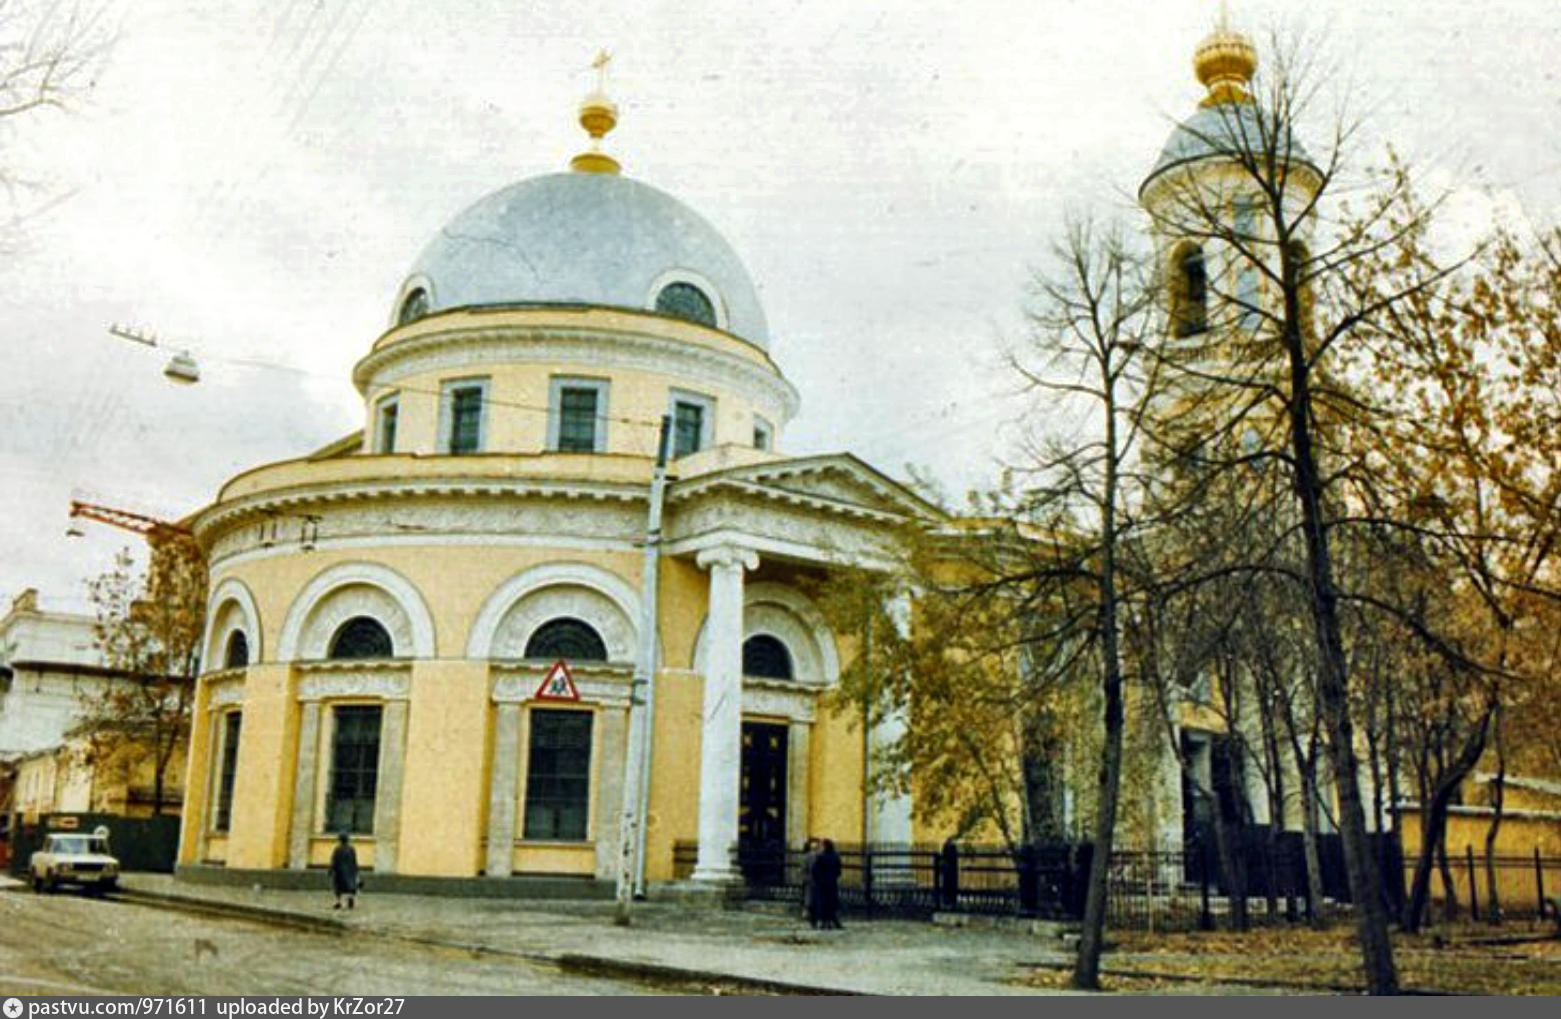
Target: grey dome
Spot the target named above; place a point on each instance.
(1219, 130)
(584, 238)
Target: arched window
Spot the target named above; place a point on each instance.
(361, 637)
(766, 657)
(686, 301)
(1189, 292)
(236, 654)
(413, 307)
(568, 639)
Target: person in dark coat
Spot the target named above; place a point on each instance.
(826, 887)
(809, 893)
(345, 879)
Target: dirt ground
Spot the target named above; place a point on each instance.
(1518, 959)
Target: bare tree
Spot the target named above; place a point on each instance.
(1091, 323)
(50, 51)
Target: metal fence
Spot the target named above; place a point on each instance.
(1044, 882)
(1527, 887)
(1185, 889)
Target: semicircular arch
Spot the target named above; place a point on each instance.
(231, 607)
(529, 600)
(357, 589)
(789, 616)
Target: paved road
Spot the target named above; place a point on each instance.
(67, 944)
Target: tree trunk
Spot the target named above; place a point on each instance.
(1232, 872)
(1434, 829)
(1086, 972)
(1498, 807)
(1333, 707)
(1092, 939)
(1449, 883)
(1314, 869)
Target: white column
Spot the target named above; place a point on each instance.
(720, 753)
(890, 820)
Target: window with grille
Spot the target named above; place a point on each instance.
(558, 775)
(569, 639)
(765, 657)
(691, 421)
(361, 637)
(354, 780)
(577, 413)
(464, 404)
(414, 307)
(687, 302)
(232, 724)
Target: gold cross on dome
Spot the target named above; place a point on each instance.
(603, 59)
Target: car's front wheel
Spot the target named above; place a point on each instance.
(37, 885)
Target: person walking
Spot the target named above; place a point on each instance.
(826, 887)
(809, 892)
(345, 879)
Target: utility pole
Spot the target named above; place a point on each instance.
(642, 702)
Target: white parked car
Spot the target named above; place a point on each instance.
(69, 858)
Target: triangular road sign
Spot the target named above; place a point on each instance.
(558, 684)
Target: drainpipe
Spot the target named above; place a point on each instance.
(642, 701)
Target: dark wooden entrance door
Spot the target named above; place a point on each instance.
(761, 817)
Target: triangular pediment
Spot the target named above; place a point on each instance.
(839, 481)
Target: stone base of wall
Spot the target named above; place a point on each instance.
(315, 879)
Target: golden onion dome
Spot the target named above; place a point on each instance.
(1225, 62)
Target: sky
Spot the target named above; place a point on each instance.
(252, 180)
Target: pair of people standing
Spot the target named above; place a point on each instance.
(821, 884)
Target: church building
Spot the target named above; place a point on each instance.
(486, 636)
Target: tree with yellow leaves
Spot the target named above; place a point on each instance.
(149, 626)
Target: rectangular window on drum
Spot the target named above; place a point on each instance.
(463, 413)
(558, 776)
(354, 780)
(577, 416)
(385, 428)
(692, 419)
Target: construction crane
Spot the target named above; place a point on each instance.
(155, 531)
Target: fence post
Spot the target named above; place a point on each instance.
(867, 878)
(1205, 914)
(1474, 890)
(948, 861)
(1539, 884)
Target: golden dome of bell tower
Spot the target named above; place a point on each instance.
(1225, 62)
(598, 115)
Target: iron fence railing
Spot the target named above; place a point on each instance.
(1259, 880)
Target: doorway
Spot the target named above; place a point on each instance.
(761, 816)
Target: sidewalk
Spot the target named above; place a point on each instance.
(746, 949)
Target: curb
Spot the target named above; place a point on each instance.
(229, 910)
(571, 962)
(595, 965)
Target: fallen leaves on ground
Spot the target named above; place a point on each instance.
(1458, 960)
